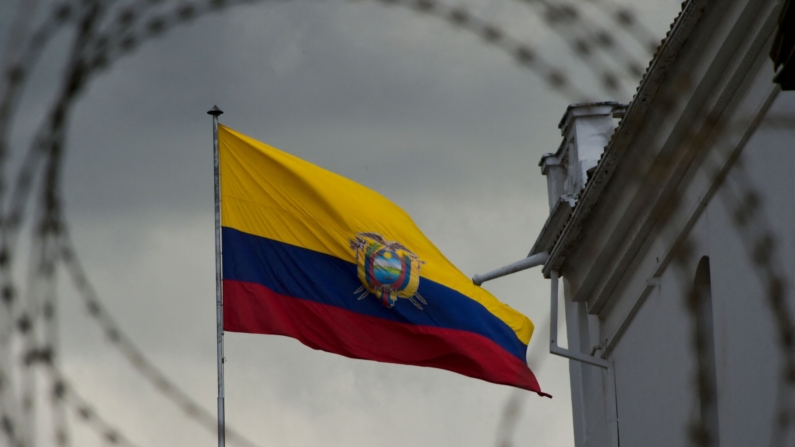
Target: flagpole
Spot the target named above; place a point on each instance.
(219, 297)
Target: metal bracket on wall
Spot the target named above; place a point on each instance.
(553, 332)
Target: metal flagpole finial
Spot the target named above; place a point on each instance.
(215, 111)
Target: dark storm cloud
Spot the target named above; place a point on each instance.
(393, 115)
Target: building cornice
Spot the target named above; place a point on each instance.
(633, 119)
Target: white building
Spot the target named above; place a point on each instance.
(693, 190)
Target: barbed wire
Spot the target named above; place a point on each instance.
(192, 409)
(42, 301)
(44, 308)
(626, 19)
(15, 76)
(120, 40)
(116, 43)
(48, 146)
(745, 203)
(39, 305)
(586, 39)
(92, 56)
(749, 221)
(8, 420)
(64, 392)
(51, 140)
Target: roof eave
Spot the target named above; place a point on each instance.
(633, 118)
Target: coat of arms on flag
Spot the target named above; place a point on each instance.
(387, 269)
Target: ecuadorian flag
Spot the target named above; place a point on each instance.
(312, 255)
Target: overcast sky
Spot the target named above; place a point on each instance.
(449, 129)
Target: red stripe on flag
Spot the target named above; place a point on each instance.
(253, 308)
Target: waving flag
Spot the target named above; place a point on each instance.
(312, 255)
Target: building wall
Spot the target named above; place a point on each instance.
(654, 358)
(625, 295)
(749, 356)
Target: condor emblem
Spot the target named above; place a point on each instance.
(387, 270)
